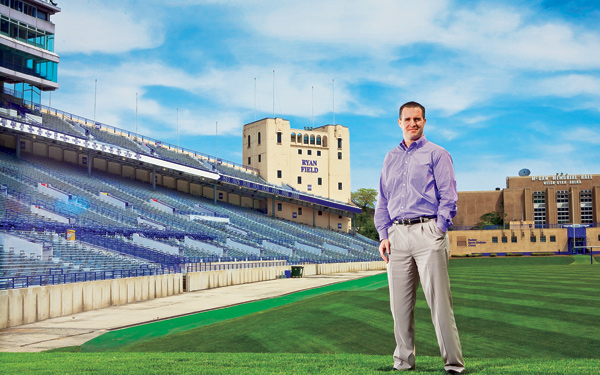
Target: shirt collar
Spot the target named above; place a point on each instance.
(416, 144)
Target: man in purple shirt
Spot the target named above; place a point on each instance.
(416, 204)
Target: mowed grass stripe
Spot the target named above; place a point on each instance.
(589, 300)
(522, 316)
(548, 305)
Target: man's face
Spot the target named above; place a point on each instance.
(412, 124)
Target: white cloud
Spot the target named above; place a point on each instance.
(498, 35)
(584, 135)
(570, 85)
(105, 27)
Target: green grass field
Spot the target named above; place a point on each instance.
(526, 315)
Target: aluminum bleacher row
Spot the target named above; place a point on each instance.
(137, 238)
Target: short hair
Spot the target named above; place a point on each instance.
(411, 105)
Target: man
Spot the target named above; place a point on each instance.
(415, 207)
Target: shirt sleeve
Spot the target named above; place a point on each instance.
(443, 172)
(382, 218)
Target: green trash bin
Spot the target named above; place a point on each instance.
(297, 271)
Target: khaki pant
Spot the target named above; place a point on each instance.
(420, 252)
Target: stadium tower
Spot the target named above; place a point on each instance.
(28, 64)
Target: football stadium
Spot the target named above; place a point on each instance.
(121, 253)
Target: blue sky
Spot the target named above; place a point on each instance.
(507, 84)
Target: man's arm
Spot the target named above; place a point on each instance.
(382, 219)
(443, 172)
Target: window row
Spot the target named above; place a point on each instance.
(309, 152)
(30, 10)
(250, 139)
(532, 238)
(27, 33)
(308, 139)
(28, 64)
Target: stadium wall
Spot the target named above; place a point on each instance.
(33, 304)
(37, 303)
(215, 279)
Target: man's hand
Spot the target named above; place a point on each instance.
(384, 247)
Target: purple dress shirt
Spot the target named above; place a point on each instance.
(416, 181)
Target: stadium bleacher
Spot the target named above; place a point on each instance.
(137, 236)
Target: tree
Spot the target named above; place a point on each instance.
(365, 199)
(490, 218)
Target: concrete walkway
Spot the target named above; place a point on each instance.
(78, 328)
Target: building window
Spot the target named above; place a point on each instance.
(318, 152)
(312, 139)
(532, 238)
(494, 239)
(249, 159)
(542, 238)
(339, 186)
(324, 141)
(278, 138)
(293, 138)
(539, 208)
(299, 211)
(305, 139)
(320, 213)
(279, 174)
(513, 239)
(552, 238)
(299, 151)
(299, 139)
(278, 206)
(320, 181)
(299, 180)
(562, 206)
(309, 152)
(318, 140)
(585, 199)
(248, 141)
(259, 158)
(339, 142)
(309, 187)
(504, 239)
(258, 137)
(339, 156)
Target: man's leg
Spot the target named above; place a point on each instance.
(403, 280)
(432, 262)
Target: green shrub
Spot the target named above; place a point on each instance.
(514, 254)
(493, 255)
(541, 254)
(475, 255)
